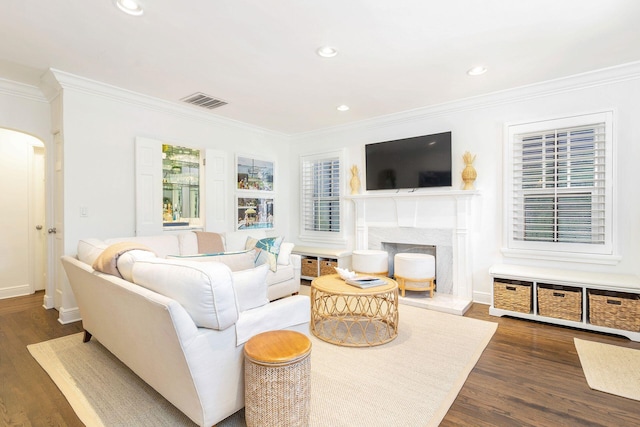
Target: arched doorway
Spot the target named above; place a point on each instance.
(23, 232)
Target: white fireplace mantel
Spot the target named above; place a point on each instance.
(421, 209)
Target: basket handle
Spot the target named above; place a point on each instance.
(511, 288)
(614, 302)
(558, 294)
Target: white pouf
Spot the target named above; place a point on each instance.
(370, 261)
(417, 269)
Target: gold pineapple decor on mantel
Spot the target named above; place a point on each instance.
(469, 173)
(355, 180)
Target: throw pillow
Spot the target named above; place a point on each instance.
(285, 253)
(267, 250)
(251, 287)
(90, 249)
(236, 261)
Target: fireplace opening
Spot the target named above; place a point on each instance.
(397, 248)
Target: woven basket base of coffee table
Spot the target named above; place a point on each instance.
(345, 315)
(277, 379)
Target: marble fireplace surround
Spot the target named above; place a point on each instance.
(434, 218)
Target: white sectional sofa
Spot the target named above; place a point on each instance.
(181, 324)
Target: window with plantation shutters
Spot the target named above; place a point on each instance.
(559, 195)
(321, 193)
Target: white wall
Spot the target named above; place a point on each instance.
(99, 126)
(101, 123)
(478, 126)
(99, 167)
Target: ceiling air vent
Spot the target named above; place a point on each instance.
(205, 101)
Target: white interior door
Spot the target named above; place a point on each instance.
(16, 237)
(38, 228)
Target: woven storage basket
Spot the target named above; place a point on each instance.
(616, 310)
(309, 267)
(560, 302)
(327, 267)
(512, 295)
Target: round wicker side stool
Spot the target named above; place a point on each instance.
(277, 376)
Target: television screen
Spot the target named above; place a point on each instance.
(421, 161)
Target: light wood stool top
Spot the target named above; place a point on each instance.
(277, 347)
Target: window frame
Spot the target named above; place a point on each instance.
(314, 235)
(560, 251)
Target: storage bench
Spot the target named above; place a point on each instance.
(595, 301)
(317, 261)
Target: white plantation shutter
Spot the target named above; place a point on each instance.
(559, 185)
(321, 193)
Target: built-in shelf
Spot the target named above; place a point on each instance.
(581, 281)
(320, 261)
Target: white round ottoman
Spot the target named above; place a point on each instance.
(369, 261)
(419, 270)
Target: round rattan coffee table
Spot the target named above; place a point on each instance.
(346, 315)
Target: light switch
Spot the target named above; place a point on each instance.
(84, 211)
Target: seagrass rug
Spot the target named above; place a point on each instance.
(610, 368)
(410, 381)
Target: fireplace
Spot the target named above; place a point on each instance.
(436, 242)
(433, 222)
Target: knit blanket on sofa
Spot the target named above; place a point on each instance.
(107, 261)
(209, 243)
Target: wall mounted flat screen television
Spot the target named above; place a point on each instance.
(421, 161)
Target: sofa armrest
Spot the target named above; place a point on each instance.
(296, 261)
(284, 313)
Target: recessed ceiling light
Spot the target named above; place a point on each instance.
(327, 51)
(130, 7)
(476, 71)
(343, 108)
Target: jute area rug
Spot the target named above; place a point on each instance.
(610, 368)
(410, 381)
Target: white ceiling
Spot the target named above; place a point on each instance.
(259, 55)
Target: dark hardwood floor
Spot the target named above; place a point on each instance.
(28, 397)
(529, 375)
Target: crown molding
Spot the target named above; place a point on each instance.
(68, 81)
(22, 90)
(602, 77)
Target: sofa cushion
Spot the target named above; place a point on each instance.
(90, 249)
(162, 245)
(188, 243)
(251, 287)
(204, 289)
(236, 261)
(126, 260)
(237, 241)
(284, 257)
(284, 273)
(267, 250)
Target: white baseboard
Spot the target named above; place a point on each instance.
(68, 315)
(482, 297)
(15, 291)
(48, 302)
